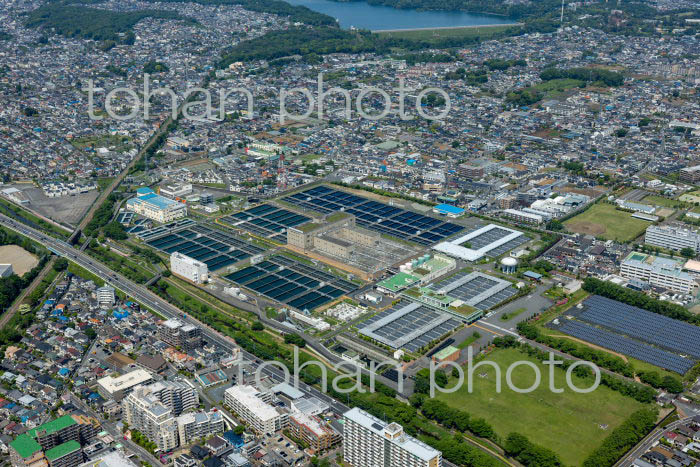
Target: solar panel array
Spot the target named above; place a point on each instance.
(216, 249)
(422, 325)
(494, 235)
(267, 220)
(479, 284)
(400, 223)
(627, 346)
(291, 282)
(667, 333)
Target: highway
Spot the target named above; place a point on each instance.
(162, 307)
(155, 303)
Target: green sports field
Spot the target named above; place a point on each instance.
(570, 424)
(603, 220)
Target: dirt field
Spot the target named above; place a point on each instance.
(22, 261)
(68, 209)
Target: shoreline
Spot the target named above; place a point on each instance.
(474, 26)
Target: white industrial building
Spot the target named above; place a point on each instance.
(189, 268)
(672, 237)
(659, 272)
(156, 207)
(254, 407)
(176, 190)
(371, 442)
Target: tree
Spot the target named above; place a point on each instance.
(61, 264)
(688, 252)
(257, 326)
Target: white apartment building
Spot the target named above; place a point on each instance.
(672, 237)
(178, 396)
(194, 425)
(189, 268)
(370, 442)
(522, 216)
(105, 295)
(117, 388)
(659, 272)
(145, 413)
(254, 407)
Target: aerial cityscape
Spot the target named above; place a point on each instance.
(350, 233)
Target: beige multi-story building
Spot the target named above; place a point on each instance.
(370, 442)
(145, 413)
(311, 429)
(117, 388)
(195, 425)
(179, 334)
(178, 396)
(254, 407)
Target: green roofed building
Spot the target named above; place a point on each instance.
(24, 450)
(397, 283)
(55, 443)
(56, 432)
(65, 455)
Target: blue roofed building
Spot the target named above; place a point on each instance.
(156, 207)
(448, 210)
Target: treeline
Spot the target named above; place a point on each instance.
(638, 392)
(5, 36)
(389, 194)
(11, 287)
(101, 217)
(300, 14)
(92, 23)
(623, 438)
(588, 75)
(601, 358)
(323, 40)
(639, 299)
(528, 453)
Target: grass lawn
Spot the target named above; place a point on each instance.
(568, 423)
(661, 201)
(512, 314)
(603, 220)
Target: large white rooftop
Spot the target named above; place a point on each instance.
(454, 247)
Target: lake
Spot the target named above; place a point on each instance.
(362, 15)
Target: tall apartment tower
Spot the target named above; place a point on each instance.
(145, 413)
(370, 442)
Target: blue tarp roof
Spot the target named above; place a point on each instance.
(448, 209)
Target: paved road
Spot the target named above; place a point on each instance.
(647, 443)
